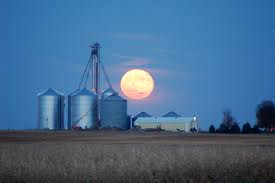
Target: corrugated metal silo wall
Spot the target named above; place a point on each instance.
(81, 111)
(69, 126)
(61, 116)
(51, 112)
(113, 113)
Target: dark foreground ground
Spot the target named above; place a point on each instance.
(135, 157)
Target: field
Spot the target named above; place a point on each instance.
(108, 156)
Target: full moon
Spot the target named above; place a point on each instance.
(137, 84)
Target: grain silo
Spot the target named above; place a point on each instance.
(50, 110)
(113, 111)
(81, 109)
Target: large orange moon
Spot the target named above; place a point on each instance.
(137, 84)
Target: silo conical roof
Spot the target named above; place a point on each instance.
(171, 114)
(142, 114)
(82, 92)
(50, 92)
(113, 96)
(108, 92)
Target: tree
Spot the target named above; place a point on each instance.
(212, 129)
(265, 114)
(223, 129)
(246, 128)
(235, 128)
(228, 119)
(228, 124)
(256, 129)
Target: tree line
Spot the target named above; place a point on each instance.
(265, 115)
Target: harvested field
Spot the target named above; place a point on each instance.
(106, 156)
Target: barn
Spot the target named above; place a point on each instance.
(168, 122)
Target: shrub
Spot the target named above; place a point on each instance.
(247, 128)
(212, 129)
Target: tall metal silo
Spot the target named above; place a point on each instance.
(81, 106)
(113, 112)
(50, 110)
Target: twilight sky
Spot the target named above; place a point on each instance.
(205, 56)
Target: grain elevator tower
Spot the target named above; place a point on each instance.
(95, 73)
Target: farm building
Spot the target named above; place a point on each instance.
(169, 122)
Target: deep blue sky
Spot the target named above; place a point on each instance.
(205, 56)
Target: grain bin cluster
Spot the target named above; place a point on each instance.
(87, 108)
(90, 107)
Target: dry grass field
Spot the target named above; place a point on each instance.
(90, 156)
